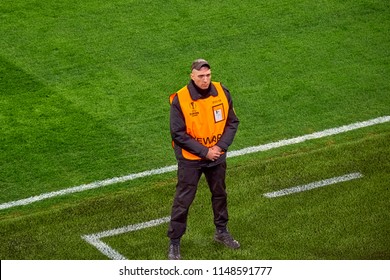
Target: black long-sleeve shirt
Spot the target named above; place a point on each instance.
(183, 140)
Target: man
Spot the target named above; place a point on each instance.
(203, 125)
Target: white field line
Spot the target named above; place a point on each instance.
(314, 185)
(95, 239)
(315, 135)
(85, 187)
(248, 150)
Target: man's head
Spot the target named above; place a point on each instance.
(201, 73)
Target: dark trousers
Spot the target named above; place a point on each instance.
(188, 179)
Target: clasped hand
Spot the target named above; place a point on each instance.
(214, 153)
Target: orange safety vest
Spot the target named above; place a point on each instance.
(205, 118)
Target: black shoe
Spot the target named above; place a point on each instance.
(226, 239)
(174, 252)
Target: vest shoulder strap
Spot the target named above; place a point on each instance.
(171, 97)
(218, 86)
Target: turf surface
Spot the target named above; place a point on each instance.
(84, 89)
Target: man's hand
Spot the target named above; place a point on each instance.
(214, 153)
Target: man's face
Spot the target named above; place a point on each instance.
(202, 77)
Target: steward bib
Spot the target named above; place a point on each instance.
(205, 118)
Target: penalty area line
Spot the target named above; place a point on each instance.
(245, 151)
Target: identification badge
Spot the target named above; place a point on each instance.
(219, 113)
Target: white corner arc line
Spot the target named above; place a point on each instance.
(314, 185)
(95, 239)
(244, 151)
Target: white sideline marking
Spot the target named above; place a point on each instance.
(249, 150)
(314, 185)
(94, 239)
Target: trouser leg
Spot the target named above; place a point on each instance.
(215, 177)
(188, 179)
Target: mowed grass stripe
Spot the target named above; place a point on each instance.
(253, 149)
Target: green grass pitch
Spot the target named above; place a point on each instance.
(84, 89)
